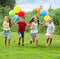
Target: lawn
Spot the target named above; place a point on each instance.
(30, 51)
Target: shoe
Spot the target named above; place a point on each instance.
(22, 44)
(30, 42)
(18, 43)
(46, 44)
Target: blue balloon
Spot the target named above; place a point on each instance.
(16, 18)
(43, 13)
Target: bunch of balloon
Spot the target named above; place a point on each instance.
(43, 13)
(16, 13)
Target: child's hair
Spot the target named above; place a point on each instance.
(50, 19)
(9, 21)
(32, 20)
(23, 17)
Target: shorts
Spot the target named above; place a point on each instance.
(6, 33)
(34, 34)
(21, 34)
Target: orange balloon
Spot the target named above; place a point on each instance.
(39, 9)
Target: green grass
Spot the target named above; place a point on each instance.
(30, 51)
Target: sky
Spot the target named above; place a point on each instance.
(29, 5)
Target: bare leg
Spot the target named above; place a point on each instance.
(19, 40)
(33, 38)
(36, 41)
(22, 41)
(5, 41)
(47, 40)
(50, 41)
(9, 41)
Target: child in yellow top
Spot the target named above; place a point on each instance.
(7, 29)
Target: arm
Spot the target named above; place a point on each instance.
(3, 24)
(43, 23)
(53, 28)
(27, 24)
(32, 26)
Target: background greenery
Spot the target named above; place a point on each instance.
(9, 4)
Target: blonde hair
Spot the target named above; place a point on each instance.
(51, 19)
(9, 20)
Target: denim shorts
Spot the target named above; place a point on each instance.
(6, 33)
(22, 34)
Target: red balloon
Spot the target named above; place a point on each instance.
(21, 14)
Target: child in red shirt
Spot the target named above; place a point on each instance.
(21, 30)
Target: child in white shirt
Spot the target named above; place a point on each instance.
(50, 31)
(34, 22)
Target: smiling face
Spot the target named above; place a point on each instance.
(22, 19)
(6, 18)
(35, 19)
(50, 20)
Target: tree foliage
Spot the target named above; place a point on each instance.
(10, 3)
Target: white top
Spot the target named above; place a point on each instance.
(50, 27)
(6, 26)
(35, 29)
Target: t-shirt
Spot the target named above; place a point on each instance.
(35, 29)
(6, 26)
(21, 26)
(50, 27)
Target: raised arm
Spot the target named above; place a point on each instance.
(43, 23)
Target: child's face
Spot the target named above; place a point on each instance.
(50, 20)
(35, 19)
(22, 19)
(6, 19)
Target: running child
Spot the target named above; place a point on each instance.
(34, 29)
(50, 31)
(7, 29)
(21, 30)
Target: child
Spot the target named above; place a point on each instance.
(7, 29)
(50, 31)
(34, 30)
(21, 30)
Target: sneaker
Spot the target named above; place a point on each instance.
(30, 42)
(46, 44)
(22, 44)
(18, 43)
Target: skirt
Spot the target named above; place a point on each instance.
(6, 33)
(50, 35)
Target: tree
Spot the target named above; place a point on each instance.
(10, 3)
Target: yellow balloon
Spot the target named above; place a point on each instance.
(46, 18)
(17, 9)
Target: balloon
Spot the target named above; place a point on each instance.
(39, 9)
(11, 13)
(17, 9)
(46, 18)
(16, 18)
(21, 14)
(43, 13)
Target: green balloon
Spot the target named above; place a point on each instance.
(12, 13)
